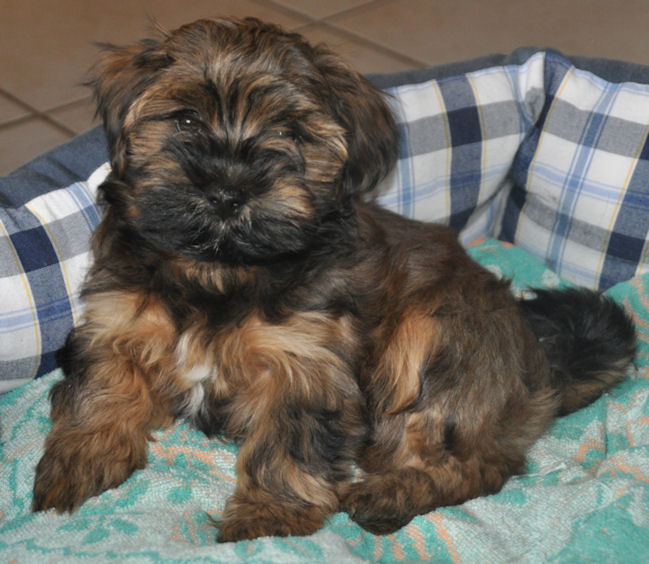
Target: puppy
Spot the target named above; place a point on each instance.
(242, 280)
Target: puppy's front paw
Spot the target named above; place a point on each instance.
(59, 486)
(249, 520)
(73, 470)
(64, 481)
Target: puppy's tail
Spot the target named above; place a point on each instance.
(588, 338)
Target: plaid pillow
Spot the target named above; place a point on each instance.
(536, 152)
(580, 197)
(459, 136)
(47, 214)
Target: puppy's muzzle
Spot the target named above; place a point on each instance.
(227, 202)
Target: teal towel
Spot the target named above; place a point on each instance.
(584, 498)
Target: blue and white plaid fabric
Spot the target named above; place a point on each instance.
(47, 213)
(459, 138)
(541, 154)
(44, 246)
(531, 150)
(580, 197)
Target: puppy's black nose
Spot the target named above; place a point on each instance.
(226, 202)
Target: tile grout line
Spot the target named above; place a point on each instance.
(42, 117)
(370, 44)
(286, 10)
(308, 16)
(67, 105)
(360, 8)
(33, 113)
(15, 100)
(348, 34)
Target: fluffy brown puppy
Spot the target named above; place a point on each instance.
(241, 281)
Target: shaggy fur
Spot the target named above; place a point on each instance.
(241, 280)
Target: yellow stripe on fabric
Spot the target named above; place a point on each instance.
(618, 205)
(59, 254)
(30, 298)
(449, 149)
(530, 174)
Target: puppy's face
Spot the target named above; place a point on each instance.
(234, 141)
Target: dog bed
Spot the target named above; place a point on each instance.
(541, 158)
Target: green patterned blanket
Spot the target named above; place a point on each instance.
(584, 498)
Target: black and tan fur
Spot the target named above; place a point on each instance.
(242, 281)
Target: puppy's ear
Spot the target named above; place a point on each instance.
(119, 76)
(362, 109)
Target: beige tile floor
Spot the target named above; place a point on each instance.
(46, 45)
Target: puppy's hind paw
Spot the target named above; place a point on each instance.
(383, 503)
(365, 510)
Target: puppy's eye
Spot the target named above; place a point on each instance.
(187, 123)
(287, 134)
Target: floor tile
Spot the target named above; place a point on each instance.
(439, 32)
(10, 110)
(318, 9)
(23, 140)
(44, 58)
(78, 116)
(45, 52)
(359, 54)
